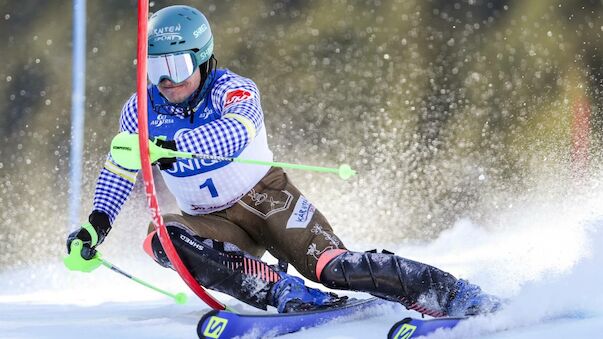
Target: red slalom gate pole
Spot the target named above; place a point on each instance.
(147, 174)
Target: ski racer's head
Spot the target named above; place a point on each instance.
(180, 51)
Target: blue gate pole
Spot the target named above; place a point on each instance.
(78, 98)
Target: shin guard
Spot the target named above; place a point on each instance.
(417, 286)
(230, 271)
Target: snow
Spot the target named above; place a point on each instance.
(546, 262)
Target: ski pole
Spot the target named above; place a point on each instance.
(125, 151)
(180, 298)
(75, 262)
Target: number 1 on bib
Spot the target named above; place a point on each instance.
(210, 186)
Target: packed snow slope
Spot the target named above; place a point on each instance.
(545, 258)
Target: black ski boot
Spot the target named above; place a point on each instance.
(417, 286)
(469, 300)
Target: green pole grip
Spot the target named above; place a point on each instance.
(75, 262)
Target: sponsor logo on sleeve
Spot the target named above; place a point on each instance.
(237, 95)
(302, 213)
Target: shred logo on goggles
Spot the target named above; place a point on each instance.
(206, 54)
(236, 96)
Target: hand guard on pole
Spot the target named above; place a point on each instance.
(81, 243)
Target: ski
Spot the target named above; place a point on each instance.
(223, 324)
(412, 328)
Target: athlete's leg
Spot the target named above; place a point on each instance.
(295, 231)
(223, 266)
(417, 286)
(214, 256)
(278, 216)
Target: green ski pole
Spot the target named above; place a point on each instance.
(180, 298)
(75, 262)
(126, 152)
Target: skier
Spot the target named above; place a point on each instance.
(231, 213)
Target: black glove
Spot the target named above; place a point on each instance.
(99, 224)
(166, 163)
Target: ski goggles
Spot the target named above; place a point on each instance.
(175, 67)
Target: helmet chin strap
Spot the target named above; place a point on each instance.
(210, 66)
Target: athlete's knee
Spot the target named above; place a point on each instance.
(153, 247)
(325, 259)
(328, 270)
(179, 236)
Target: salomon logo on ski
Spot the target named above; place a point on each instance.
(213, 323)
(405, 331)
(408, 328)
(215, 327)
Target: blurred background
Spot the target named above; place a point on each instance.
(449, 110)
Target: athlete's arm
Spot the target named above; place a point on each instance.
(115, 182)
